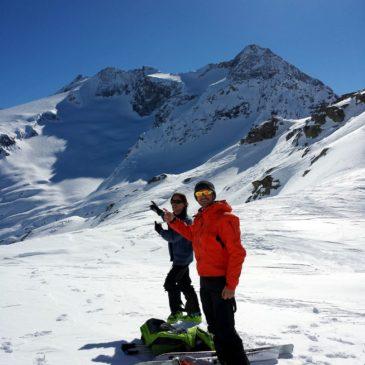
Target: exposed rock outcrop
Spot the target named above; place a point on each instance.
(242, 109)
(263, 187)
(112, 82)
(315, 124)
(47, 117)
(28, 132)
(316, 158)
(335, 113)
(150, 95)
(187, 180)
(359, 96)
(264, 131)
(157, 178)
(312, 130)
(3, 153)
(6, 141)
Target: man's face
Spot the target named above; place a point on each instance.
(204, 197)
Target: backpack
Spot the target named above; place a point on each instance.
(161, 337)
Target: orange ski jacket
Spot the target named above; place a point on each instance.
(216, 238)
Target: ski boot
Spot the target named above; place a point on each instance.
(174, 317)
(192, 318)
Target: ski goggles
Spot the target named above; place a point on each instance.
(205, 192)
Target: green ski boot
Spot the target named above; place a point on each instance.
(174, 317)
(193, 318)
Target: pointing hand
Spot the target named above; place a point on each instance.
(168, 216)
(156, 209)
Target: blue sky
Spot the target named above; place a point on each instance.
(46, 43)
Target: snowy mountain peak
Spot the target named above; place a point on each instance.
(111, 81)
(254, 56)
(215, 106)
(255, 62)
(253, 49)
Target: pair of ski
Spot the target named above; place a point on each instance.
(259, 354)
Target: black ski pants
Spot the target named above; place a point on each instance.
(178, 281)
(219, 314)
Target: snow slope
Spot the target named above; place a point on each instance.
(86, 269)
(129, 125)
(74, 297)
(77, 140)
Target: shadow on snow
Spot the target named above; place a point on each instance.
(118, 357)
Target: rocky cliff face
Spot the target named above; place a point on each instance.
(215, 106)
(144, 93)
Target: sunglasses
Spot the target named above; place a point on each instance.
(203, 192)
(176, 201)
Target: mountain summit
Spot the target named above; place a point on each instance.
(255, 61)
(215, 106)
(62, 158)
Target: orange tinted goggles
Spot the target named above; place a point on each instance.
(203, 192)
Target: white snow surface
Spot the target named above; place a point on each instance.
(74, 297)
(81, 266)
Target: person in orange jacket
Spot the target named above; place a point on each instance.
(216, 238)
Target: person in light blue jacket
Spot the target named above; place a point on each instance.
(181, 254)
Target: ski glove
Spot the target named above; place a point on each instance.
(156, 209)
(158, 227)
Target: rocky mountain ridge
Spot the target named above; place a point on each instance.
(246, 90)
(75, 159)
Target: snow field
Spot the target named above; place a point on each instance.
(77, 297)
